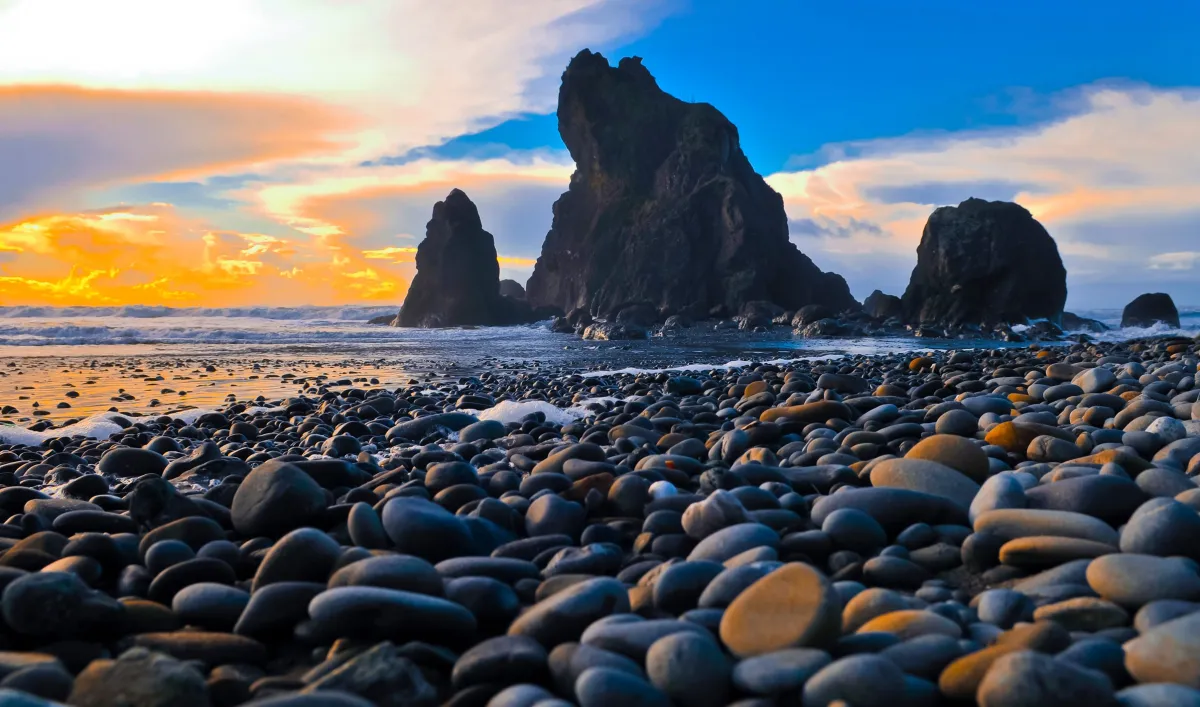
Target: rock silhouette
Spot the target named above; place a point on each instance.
(1150, 308)
(458, 276)
(664, 208)
(985, 263)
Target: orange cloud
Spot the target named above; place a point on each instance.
(56, 140)
(155, 255)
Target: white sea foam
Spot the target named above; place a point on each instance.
(99, 426)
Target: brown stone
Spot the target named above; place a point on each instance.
(818, 411)
(1083, 614)
(912, 623)
(794, 606)
(961, 678)
(1042, 551)
(956, 452)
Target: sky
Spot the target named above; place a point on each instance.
(289, 152)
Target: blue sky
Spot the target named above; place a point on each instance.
(797, 76)
(185, 152)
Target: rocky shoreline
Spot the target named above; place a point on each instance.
(1001, 527)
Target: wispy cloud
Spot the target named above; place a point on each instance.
(58, 141)
(1115, 182)
(1179, 260)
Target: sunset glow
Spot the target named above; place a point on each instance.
(291, 151)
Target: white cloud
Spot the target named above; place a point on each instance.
(1116, 183)
(417, 71)
(1181, 260)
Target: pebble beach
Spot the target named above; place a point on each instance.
(1007, 526)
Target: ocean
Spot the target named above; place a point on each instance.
(73, 362)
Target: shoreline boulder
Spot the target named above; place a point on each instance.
(664, 208)
(1149, 309)
(985, 263)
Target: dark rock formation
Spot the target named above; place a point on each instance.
(384, 320)
(1145, 310)
(512, 288)
(881, 306)
(607, 331)
(1074, 322)
(458, 277)
(664, 208)
(986, 263)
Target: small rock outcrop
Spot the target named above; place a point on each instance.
(512, 288)
(985, 263)
(1074, 322)
(664, 208)
(1149, 309)
(883, 306)
(458, 276)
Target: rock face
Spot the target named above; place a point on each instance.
(458, 277)
(985, 262)
(664, 208)
(1145, 310)
(883, 306)
(512, 288)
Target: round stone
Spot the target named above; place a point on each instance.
(910, 623)
(729, 542)
(1014, 523)
(555, 515)
(129, 462)
(1083, 614)
(57, 604)
(1163, 527)
(1040, 551)
(859, 680)
(303, 555)
(998, 492)
(632, 636)
(1134, 580)
(851, 529)
(794, 606)
(1029, 678)
(726, 587)
(690, 669)
(603, 687)
(212, 606)
(926, 477)
(924, 656)
(411, 574)
(958, 453)
(274, 498)
(504, 660)
(957, 422)
(378, 613)
(564, 616)
(426, 530)
(779, 672)
(1168, 653)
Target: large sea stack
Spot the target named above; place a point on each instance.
(664, 209)
(458, 276)
(985, 263)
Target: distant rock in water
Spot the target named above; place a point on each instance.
(985, 263)
(1150, 308)
(512, 288)
(882, 306)
(1074, 322)
(384, 320)
(664, 208)
(458, 277)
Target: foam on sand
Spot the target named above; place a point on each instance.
(99, 426)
